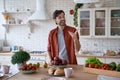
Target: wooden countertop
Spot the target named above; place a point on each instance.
(105, 56)
(78, 74)
(78, 55)
(10, 53)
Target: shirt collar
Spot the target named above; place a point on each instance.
(63, 29)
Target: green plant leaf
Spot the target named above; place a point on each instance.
(77, 6)
(20, 57)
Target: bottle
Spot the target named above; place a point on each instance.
(45, 65)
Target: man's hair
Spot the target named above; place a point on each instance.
(57, 13)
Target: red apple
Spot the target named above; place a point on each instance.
(56, 62)
(60, 61)
(52, 62)
(56, 58)
(64, 62)
(60, 64)
(71, 11)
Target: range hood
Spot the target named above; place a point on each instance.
(86, 1)
(40, 13)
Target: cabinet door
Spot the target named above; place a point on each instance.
(114, 25)
(84, 22)
(109, 60)
(100, 22)
(81, 60)
(5, 60)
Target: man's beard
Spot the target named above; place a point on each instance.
(62, 23)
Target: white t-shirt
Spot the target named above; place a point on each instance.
(61, 46)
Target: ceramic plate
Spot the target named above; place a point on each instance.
(56, 75)
(54, 78)
(60, 66)
(28, 71)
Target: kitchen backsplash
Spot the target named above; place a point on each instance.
(100, 44)
(21, 36)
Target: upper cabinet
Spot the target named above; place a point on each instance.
(114, 20)
(84, 22)
(99, 22)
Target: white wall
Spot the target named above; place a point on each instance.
(38, 39)
(1, 21)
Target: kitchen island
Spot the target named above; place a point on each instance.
(78, 70)
(78, 74)
(6, 56)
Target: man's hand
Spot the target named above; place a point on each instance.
(76, 40)
(73, 35)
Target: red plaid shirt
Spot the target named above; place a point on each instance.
(69, 43)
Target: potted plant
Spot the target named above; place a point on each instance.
(20, 57)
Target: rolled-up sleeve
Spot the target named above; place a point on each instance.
(49, 43)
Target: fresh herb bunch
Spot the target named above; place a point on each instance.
(20, 57)
(93, 60)
(77, 6)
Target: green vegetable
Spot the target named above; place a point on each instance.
(118, 65)
(20, 57)
(93, 60)
(112, 65)
(118, 68)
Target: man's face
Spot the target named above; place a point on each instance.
(60, 20)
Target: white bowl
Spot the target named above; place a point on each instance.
(97, 5)
(1, 75)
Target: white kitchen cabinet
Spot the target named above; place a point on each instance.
(35, 59)
(114, 26)
(109, 60)
(5, 60)
(16, 19)
(84, 22)
(81, 60)
(99, 22)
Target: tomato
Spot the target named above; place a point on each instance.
(91, 66)
(96, 66)
(71, 12)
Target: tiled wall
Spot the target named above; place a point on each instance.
(100, 44)
(21, 35)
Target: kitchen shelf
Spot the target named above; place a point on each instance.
(85, 18)
(99, 27)
(17, 17)
(7, 26)
(100, 18)
(115, 17)
(14, 25)
(105, 56)
(85, 28)
(115, 27)
(19, 12)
